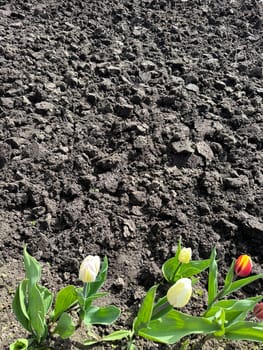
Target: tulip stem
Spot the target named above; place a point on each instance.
(218, 296)
(161, 308)
(85, 290)
(176, 270)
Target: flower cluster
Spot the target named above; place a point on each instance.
(157, 319)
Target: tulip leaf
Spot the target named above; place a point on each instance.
(117, 335)
(170, 328)
(194, 267)
(220, 318)
(47, 297)
(161, 308)
(172, 270)
(170, 267)
(85, 303)
(32, 267)
(145, 312)
(95, 286)
(229, 277)
(245, 330)
(241, 283)
(36, 312)
(19, 344)
(212, 278)
(19, 305)
(235, 310)
(65, 326)
(66, 297)
(101, 315)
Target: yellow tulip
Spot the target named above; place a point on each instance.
(185, 255)
(180, 293)
(89, 269)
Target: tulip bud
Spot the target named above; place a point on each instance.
(258, 311)
(185, 255)
(89, 269)
(180, 293)
(243, 266)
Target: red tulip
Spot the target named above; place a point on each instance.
(258, 311)
(243, 266)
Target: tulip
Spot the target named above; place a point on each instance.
(258, 311)
(185, 255)
(180, 293)
(243, 266)
(89, 269)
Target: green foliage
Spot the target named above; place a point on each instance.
(65, 326)
(19, 344)
(245, 330)
(101, 315)
(117, 335)
(156, 320)
(159, 322)
(65, 299)
(101, 278)
(145, 312)
(36, 312)
(175, 325)
(241, 283)
(32, 306)
(212, 278)
(235, 310)
(32, 267)
(194, 267)
(19, 305)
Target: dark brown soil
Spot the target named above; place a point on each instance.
(125, 124)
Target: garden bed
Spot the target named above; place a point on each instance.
(123, 126)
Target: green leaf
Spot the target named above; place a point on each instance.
(66, 297)
(212, 278)
(32, 267)
(245, 330)
(95, 286)
(145, 311)
(117, 335)
(194, 267)
(47, 298)
(65, 326)
(235, 310)
(19, 344)
(175, 325)
(220, 319)
(19, 305)
(101, 315)
(170, 267)
(229, 277)
(241, 283)
(86, 303)
(36, 312)
(161, 308)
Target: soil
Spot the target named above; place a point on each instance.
(125, 124)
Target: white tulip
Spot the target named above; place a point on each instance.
(180, 293)
(185, 255)
(89, 269)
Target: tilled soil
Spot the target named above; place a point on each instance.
(124, 125)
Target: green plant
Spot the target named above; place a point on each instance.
(33, 302)
(224, 318)
(157, 319)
